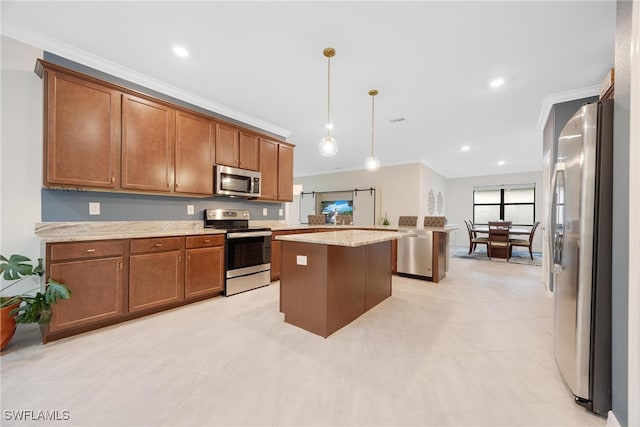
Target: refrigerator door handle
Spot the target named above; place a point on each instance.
(557, 227)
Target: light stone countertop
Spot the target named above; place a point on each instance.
(55, 232)
(351, 238)
(286, 227)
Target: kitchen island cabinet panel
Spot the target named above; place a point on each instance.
(82, 133)
(148, 134)
(97, 292)
(194, 154)
(378, 271)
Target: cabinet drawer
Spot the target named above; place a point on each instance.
(92, 249)
(158, 244)
(205, 241)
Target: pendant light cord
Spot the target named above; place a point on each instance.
(328, 94)
(373, 100)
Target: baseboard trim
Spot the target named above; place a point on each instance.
(612, 421)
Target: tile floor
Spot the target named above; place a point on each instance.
(473, 350)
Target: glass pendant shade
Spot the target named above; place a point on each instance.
(328, 146)
(372, 163)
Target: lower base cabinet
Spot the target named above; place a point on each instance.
(97, 289)
(204, 266)
(112, 281)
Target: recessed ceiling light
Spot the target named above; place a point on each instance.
(501, 162)
(180, 51)
(465, 148)
(496, 82)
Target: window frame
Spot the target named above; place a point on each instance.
(502, 204)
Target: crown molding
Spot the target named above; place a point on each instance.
(569, 95)
(56, 47)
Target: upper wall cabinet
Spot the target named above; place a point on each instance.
(194, 154)
(249, 155)
(236, 148)
(276, 168)
(227, 141)
(268, 169)
(285, 173)
(147, 144)
(99, 135)
(82, 133)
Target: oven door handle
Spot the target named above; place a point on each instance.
(248, 234)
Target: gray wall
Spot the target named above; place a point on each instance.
(65, 206)
(620, 261)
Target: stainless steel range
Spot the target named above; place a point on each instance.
(248, 250)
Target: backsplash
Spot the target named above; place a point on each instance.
(69, 205)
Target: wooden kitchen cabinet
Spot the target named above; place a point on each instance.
(227, 145)
(194, 154)
(204, 266)
(268, 169)
(249, 151)
(276, 168)
(285, 173)
(94, 273)
(82, 133)
(156, 272)
(148, 134)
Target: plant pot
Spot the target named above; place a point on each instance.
(7, 324)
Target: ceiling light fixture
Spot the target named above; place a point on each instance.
(496, 82)
(372, 163)
(328, 145)
(180, 51)
(501, 163)
(465, 148)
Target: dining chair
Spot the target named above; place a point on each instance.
(526, 242)
(315, 219)
(474, 240)
(344, 219)
(407, 221)
(499, 238)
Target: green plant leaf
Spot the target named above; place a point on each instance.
(15, 267)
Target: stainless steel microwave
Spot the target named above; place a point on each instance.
(236, 182)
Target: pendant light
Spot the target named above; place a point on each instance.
(328, 145)
(372, 163)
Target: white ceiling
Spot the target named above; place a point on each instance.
(431, 62)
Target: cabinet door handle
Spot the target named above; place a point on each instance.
(158, 245)
(113, 179)
(207, 240)
(90, 250)
(177, 185)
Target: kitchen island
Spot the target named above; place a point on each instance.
(329, 279)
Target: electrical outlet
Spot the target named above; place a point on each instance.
(191, 210)
(94, 208)
(280, 212)
(301, 259)
(265, 212)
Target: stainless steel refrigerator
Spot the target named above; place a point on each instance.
(581, 205)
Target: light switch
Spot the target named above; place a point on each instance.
(280, 212)
(301, 259)
(94, 208)
(265, 212)
(191, 210)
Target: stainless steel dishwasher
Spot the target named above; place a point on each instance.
(415, 253)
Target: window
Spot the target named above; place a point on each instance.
(515, 203)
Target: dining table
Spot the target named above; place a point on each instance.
(512, 230)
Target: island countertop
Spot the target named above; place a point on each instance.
(350, 238)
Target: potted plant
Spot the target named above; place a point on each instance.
(26, 307)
